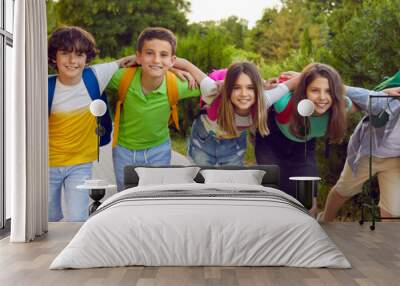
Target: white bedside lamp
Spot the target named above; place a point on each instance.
(305, 108)
(98, 108)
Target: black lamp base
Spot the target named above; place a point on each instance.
(305, 191)
(96, 195)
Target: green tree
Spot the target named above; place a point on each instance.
(51, 16)
(207, 46)
(365, 55)
(236, 29)
(117, 24)
(279, 32)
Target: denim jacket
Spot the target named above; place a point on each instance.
(359, 144)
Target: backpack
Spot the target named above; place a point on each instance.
(393, 81)
(172, 93)
(382, 118)
(92, 86)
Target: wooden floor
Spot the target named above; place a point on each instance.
(374, 255)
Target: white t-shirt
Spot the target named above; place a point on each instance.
(71, 97)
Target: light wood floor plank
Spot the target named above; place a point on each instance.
(374, 255)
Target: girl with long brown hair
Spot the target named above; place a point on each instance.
(284, 146)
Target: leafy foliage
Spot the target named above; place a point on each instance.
(206, 47)
(364, 56)
(281, 31)
(116, 24)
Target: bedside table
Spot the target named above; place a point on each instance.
(96, 192)
(306, 187)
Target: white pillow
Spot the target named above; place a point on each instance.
(248, 177)
(164, 176)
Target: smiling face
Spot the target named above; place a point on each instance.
(322, 85)
(243, 94)
(70, 66)
(155, 57)
(318, 91)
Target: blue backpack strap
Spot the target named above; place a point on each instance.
(51, 86)
(92, 85)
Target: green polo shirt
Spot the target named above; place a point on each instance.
(144, 118)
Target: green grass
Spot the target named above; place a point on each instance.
(179, 144)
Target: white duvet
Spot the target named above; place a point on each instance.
(182, 231)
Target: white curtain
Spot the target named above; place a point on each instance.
(26, 119)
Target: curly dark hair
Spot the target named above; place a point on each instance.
(71, 38)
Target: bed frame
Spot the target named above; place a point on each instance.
(270, 179)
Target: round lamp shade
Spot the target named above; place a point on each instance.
(305, 107)
(98, 107)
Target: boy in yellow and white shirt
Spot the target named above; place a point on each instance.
(72, 137)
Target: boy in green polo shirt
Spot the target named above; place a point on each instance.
(143, 136)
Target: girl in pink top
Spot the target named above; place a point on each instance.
(219, 134)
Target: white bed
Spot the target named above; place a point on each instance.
(200, 224)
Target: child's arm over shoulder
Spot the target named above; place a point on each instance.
(186, 65)
(104, 73)
(271, 96)
(185, 76)
(208, 87)
(118, 65)
(360, 97)
(393, 91)
(210, 90)
(125, 62)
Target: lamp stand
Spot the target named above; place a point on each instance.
(372, 206)
(98, 138)
(305, 138)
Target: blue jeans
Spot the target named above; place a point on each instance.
(76, 200)
(206, 150)
(159, 155)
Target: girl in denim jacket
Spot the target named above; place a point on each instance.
(219, 133)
